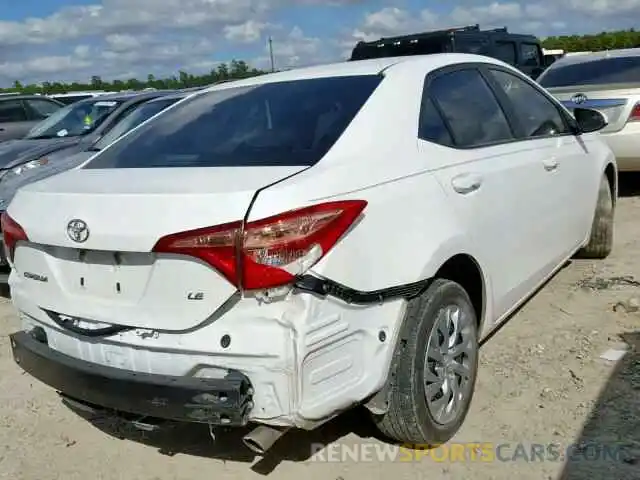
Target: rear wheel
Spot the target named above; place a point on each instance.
(435, 366)
(601, 238)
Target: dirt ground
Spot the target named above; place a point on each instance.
(541, 382)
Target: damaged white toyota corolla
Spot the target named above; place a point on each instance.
(279, 249)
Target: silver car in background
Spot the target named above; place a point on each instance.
(607, 81)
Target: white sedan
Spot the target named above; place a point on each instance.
(282, 248)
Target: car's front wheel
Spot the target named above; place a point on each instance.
(434, 369)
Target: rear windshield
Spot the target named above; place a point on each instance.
(595, 72)
(275, 124)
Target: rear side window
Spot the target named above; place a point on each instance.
(595, 72)
(470, 109)
(12, 111)
(505, 51)
(530, 54)
(470, 45)
(275, 124)
(432, 127)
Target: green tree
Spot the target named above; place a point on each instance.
(236, 69)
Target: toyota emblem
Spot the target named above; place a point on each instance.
(78, 230)
(579, 98)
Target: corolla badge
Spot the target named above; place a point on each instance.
(78, 230)
(579, 98)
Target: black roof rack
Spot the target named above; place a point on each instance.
(414, 37)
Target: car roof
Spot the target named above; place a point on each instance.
(22, 96)
(594, 56)
(124, 96)
(170, 96)
(374, 66)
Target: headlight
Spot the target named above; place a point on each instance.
(25, 167)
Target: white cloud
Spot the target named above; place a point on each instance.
(124, 38)
(247, 32)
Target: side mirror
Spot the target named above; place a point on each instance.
(589, 120)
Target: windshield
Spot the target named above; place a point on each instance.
(594, 72)
(273, 124)
(74, 120)
(132, 120)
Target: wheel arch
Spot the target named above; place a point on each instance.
(465, 270)
(611, 173)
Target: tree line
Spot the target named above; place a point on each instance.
(237, 69)
(594, 43)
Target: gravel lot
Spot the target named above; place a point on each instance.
(542, 381)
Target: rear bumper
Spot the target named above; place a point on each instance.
(221, 401)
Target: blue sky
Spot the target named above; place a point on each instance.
(49, 40)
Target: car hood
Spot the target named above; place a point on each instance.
(8, 188)
(15, 152)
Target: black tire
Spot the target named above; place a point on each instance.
(408, 418)
(601, 239)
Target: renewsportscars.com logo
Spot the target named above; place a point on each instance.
(465, 452)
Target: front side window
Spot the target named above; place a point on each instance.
(593, 72)
(290, 123)
(12, 111)
(74, 120)
(131, 120)
(537, 115)
(470, 108)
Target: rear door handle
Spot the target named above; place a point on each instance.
(466, 183)
(550, 164)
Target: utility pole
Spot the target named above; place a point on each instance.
(273, 65)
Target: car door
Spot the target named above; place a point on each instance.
(14, 121)
(545, 128)
(494, 182)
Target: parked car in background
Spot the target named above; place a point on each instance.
(610, 83)
(19, 113)
(68, 158)
(72, 97)
(520, 50)
(281, 248)
(74, 126)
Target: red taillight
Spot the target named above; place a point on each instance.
(270, 252)
(12, 233)
(635, 114)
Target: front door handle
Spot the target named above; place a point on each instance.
(466, 183)
(550, 164)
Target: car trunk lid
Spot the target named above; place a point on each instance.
(113, 276)
(615, 101)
